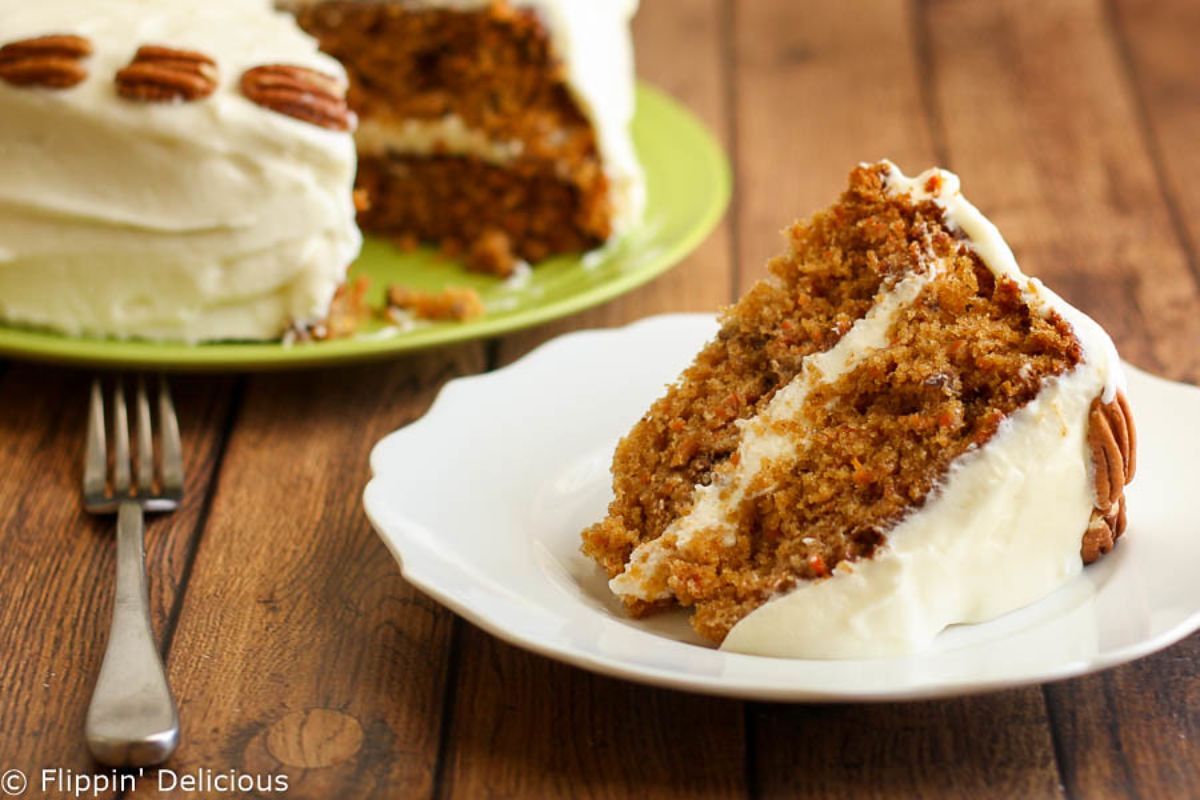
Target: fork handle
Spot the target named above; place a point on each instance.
(132, 720)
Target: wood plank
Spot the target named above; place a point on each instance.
(1133, 731)
(300, 650)
(981, 747)
(524, 726)
(702, 281)
(812, 104)
(58, 569)
(1043, 125)
(1157, 42)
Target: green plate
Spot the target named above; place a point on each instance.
(687, 182)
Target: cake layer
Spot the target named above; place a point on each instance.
(210, 219)
(933, 466)
(460, 200)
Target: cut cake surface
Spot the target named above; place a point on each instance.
(489, 121)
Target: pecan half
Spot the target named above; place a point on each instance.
(160, 74)
(1102, 532)
(1112, 440)
(299, 92)
(51, 61)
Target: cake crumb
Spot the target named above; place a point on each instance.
(349, 308)
(347, 312)
(492, 253)
(454, 303)
(406, 242)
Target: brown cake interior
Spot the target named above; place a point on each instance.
(459, 202)
(835, 265)
(872, 445)
(494, 69)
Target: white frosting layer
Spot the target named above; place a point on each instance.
(1001, 530)
(215, 219)
(593, 39)
(426, 137)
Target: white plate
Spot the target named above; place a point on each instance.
(483, 499)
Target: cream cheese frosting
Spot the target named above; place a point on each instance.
(449, 134)
(594, 42)
(213, 219)
(1001, 530)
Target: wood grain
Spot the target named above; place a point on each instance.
(980, 747)
(523, 726)
(1134, 731)
(58, 569)
(300, 650)
(1156, 39)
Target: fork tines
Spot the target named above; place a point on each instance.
(132, 477)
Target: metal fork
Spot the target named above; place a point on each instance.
(132, 719)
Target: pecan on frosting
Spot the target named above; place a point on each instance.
(52, 61)
(160, 74)
(1112, 440)
(299, 92)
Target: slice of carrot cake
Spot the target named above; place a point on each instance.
(896, 431)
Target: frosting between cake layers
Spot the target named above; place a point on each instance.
(1000, 530)
(214, 219)
(428, 137)
(593, 40)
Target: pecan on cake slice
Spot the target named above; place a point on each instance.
(52, 61)
(159, 74)
(1112, 440)
(299, 92)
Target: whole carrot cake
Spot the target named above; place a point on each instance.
(496, 128)
(175, 170)
(894, 432)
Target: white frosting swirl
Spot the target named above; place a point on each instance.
(214, 219)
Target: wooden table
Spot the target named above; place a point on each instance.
(294, 645)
